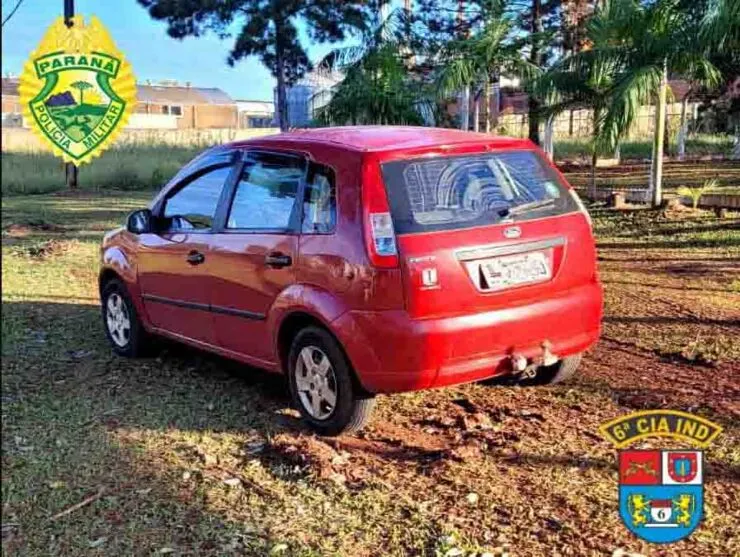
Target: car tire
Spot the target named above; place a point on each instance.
(121, 322)
(557, 372)
(322, 384)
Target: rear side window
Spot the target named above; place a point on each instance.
(447, 193)
(266, 193)
(320, 203)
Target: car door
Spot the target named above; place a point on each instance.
(254, 252)
(173, 262)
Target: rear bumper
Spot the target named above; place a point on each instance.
(392, 352)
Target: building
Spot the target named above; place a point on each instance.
(11, 103)
(164, 105)
(308, 95)
(170, 105)
(256, 114)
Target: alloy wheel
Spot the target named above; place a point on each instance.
(117, 320)
(316, 382)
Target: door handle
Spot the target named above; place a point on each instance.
(195, 258)
(278, 260)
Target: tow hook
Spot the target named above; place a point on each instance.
(527, 369)
(518, 363)
(523, 367)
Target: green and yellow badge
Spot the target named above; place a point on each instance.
(77, 90)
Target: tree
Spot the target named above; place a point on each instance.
(581, 80)
(265, 28)
(480, 60)
(648, 42)
(574, 17)
(81, 86)
(720, 27)
(448, 22)
(379, 85)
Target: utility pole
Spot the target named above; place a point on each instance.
(70, 169)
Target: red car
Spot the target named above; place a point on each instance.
(362, 260)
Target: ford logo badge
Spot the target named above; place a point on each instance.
(512, 232)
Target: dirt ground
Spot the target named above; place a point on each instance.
(187, 454)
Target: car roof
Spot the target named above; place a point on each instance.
(383, 138)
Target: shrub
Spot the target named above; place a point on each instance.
(695, 193)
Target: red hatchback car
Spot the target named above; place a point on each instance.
(362, 260)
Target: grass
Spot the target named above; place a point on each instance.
(126, 167)
(188, 454)
(137, 166)
(698, 145)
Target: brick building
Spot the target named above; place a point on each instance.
(166, 105)
(187, 107)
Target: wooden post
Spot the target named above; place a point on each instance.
(70, 169)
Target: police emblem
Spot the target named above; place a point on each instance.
(661, 493)
(77, 90)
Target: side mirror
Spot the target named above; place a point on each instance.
(139, 222)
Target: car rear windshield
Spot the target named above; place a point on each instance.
(447, 193)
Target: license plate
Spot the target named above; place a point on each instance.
(515, 270)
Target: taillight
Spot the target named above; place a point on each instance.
(380, 238)
(581, 206)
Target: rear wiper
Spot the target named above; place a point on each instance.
(526, 207)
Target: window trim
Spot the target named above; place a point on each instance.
(230, 193)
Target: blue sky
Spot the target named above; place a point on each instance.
(153, 54)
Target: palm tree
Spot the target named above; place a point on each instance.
(480, 60)
(378, 85)
(582, 80)
(81, 86)
(721, 29)
(648, 42)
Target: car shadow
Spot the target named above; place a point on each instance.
(66, 393)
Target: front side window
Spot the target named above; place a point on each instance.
(194, 206)
(445, 193)
(320, 204)
(265, 195)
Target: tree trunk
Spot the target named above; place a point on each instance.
(465, 109)
(594, 152)
(656, 171)
(535, 57)
(476, 113)
(489, 108)
(570, 123)
(282, 94)
(683, 130)
(496, 103)
(70, 175)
